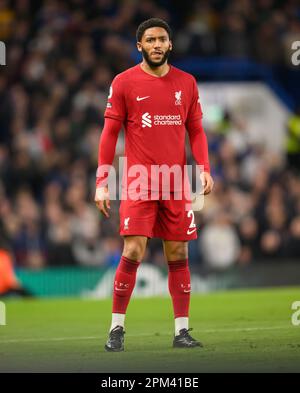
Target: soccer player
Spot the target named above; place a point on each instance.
(156, 103)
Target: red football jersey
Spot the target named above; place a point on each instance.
(154, 111)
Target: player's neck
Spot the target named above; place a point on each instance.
(155, 71)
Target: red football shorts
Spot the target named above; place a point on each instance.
(171, 219)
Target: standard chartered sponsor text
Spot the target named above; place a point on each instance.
(167, 120)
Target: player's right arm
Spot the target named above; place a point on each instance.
(115, 115)
(107, 147)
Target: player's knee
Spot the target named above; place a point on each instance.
(134, 251)
(178, 253)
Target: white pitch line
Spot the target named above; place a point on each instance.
(32, 340)
(243, 329)
(54, 339)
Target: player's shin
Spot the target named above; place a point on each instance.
(123, 286)
(180, 288)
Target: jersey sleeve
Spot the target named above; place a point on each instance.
(198, 143)
(116, 107)
(195, 111)
(196, 132)
(107, 147)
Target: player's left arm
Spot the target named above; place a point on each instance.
(198, 140)
(199, 147)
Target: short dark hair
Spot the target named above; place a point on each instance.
(153, 22)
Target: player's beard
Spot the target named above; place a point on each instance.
(154, 64)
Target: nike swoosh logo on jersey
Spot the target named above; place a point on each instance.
(192, 231)
(138, 98)
(186, 290)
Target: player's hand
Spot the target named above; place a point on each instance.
(102, 200)
(207, 182)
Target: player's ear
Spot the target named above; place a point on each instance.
(171, 45)
(139, 46)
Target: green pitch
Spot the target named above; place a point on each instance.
(242, 331)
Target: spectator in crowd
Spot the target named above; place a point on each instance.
(59, 235)
(293, 141)
(219, 243)
(249, 236)
(293, 241)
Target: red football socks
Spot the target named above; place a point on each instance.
(180, 287)
(124, 284)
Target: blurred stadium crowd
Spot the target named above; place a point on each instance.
(62, 56)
